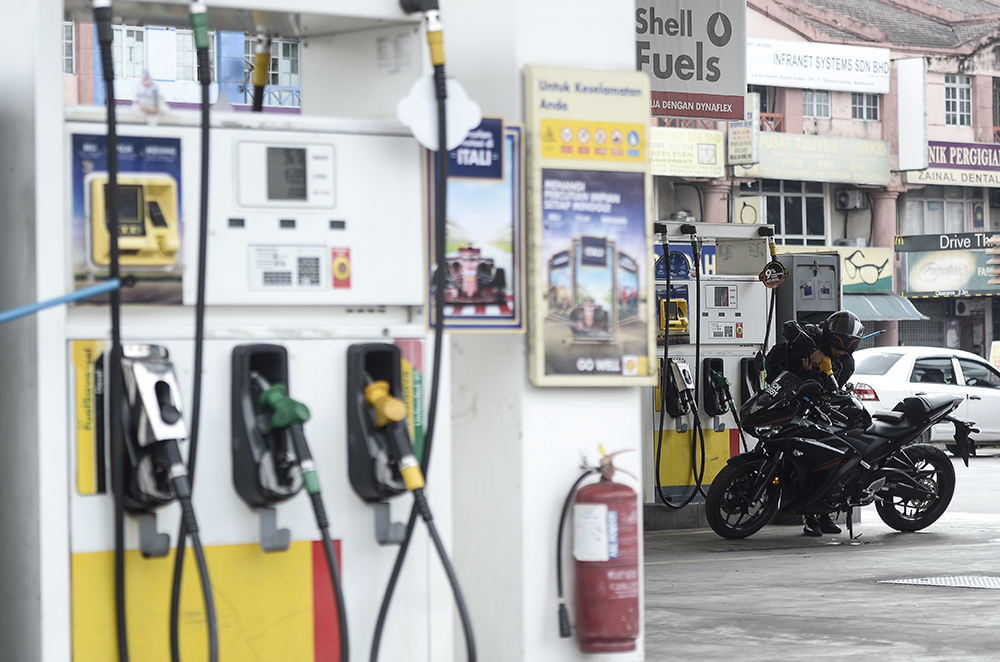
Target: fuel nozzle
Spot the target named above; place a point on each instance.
(826, 367)
(390, 416)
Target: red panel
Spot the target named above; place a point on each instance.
(326, 635)
(734, 442)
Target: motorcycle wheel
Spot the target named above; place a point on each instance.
(729, 507)
(930, 467)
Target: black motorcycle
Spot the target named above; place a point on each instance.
(820, 452)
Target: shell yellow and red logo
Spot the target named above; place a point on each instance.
(341, 265)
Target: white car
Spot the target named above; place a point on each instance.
(883, 376)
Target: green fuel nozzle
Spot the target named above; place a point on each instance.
(285, 411)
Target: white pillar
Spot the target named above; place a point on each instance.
(517, 447)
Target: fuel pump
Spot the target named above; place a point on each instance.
(271, 458)
(606, 554)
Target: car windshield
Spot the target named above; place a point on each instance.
(875, 364)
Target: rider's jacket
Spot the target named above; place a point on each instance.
(801, 340)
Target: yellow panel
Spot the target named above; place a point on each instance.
(263, 602)
(675, 463)
(85, 353)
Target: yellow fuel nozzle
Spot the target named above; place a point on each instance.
(826, 366)
(388, 409)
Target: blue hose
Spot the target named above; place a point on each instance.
(85, 293)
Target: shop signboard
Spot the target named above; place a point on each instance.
(959, 164)
(863, 270)
(945, 265)
(694, 52)
(744, 136)
(590, 216)
(817, 66)
(820, 159)
(686, 152)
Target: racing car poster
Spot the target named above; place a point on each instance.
(589, 227)
(484, 282)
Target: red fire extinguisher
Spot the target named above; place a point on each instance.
(606, 554)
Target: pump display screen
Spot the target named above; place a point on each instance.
(286, 173)
(131, 219)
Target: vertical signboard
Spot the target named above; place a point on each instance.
(590, 231)
(912, 76)
(744, 136)
(694, 52)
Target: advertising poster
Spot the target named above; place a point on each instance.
(935, 265)
(591, 287)
(484, 289)
(149, 216)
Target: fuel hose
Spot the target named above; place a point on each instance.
(199, 25)
(105, 37)
(435, 41)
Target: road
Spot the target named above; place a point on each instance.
(779, 595)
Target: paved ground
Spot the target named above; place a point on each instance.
(779, 595)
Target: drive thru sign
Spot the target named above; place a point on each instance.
(695, 54)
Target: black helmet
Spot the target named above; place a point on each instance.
(843, 330)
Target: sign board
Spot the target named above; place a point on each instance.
(945, 265)
(817, 66)
(820, 159)
(749, 210)
(686, 152)
(695, 55)
(911, 75)
(744, 136)
(481, 153)
(960, 164)
(590, 214)
(863, 270)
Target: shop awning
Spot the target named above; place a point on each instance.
(882, 307)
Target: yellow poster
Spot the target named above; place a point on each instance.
(88, 399)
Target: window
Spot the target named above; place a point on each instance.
(283, 72)
(187, 55)
(864, 106)
(979, 374)
(933, 371)
(876, 364)
(68, 49)
(816, 103)
(797, 212)
(129, 51)
(941, 209)
(958, 100)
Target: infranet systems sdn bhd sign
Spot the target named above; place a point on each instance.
(960, 164)
(818, 66)
(695, 54)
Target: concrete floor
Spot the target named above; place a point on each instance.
(779, 595)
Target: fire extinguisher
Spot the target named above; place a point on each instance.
(606, 555)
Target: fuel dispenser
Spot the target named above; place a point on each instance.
(294, 243)
(727, 304)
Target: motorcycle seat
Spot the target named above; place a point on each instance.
(925, 407)
(889, 429)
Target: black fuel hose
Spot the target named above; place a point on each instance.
(440, 248)
(564, 627)
(205, 78)
(116, 390)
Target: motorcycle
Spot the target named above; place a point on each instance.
(819, 452)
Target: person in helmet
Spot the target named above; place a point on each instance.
(802, 353)
(806, 344)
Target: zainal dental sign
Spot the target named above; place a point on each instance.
(694, 52)
(962, 164)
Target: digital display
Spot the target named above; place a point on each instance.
(131, 219)
(286, 173)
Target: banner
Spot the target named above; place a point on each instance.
(817, 66)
